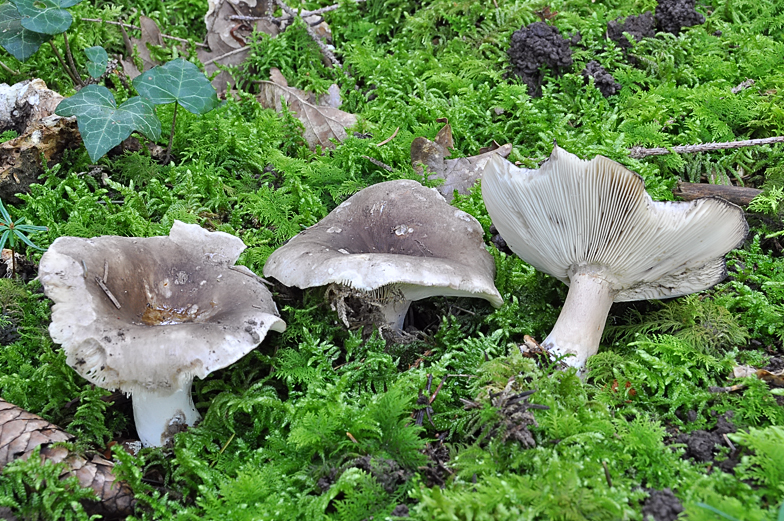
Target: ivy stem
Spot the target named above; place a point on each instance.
(68, 55)
(62, 62)
(171, 135)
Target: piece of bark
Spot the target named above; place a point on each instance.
(735, 194)
(20, 158)
(21, 432)
(25, 104)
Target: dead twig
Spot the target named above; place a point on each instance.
(390, 138)
(641, 152)
(107, 291)
(607, 474)
(730, 389)
(739, 195)
(137, 28)
(7, 68)
(226, 55)
(379, 164)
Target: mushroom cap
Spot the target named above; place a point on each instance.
(396, 232)
(185, 310)
(572, 212)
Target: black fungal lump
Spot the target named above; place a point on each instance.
(602, 79)
(673, 15)
(535, 46)
(638, 27)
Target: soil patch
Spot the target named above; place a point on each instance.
(661, 505)
(703, 446)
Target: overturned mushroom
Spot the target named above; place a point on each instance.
(147, 315)
(591, 225)
(391, 243)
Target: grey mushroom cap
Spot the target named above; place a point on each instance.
(396, 232)
(184, 309)
(572, 212)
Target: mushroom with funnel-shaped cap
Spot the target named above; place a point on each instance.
(592, 225)
(146, 315)
(392, 243)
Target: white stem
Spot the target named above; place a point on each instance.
(579, 328)
(158, 417)
(395, 313)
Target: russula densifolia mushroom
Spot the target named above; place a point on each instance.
(146, 315)
(592, 225)
(393, 242)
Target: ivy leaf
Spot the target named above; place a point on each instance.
(14, 38)
(180, 81)
(46, 16)
(102, 124)
(98, 60)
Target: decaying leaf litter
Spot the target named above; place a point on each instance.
(320, 423)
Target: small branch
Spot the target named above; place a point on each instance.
(304, 14)
(108, 292)
(641, 152)
(730, 389)
(9, 69)
(729, 443)
(171, 136)
(226, 55)
(328, 54)
(607, 474)
(735, 194)
(68, 55)
(105, 271)
(136, 27)
(379, 164)
(390, 138)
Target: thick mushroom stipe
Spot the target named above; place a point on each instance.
(147, 315)
(592, 225)
(397, 235)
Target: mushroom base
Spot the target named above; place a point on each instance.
(386, 306)
(158, 418)
(579, 328)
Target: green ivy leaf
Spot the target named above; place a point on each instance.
(102, 124)
(98, 60)
(46, 16)
(14, 38)
(180, 81)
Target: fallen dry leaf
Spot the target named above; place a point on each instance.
(459, 174)
(227, 38)
(322, 121)
(21, 432)
(776, 379)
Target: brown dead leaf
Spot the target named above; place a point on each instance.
(227, 38)
(776, 379)
(322, 122)
(458, 174)
(21, 432)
